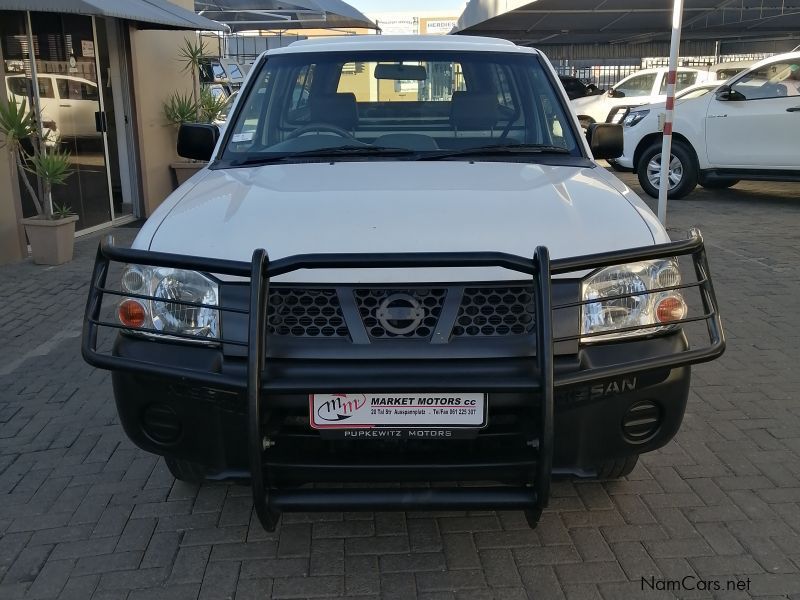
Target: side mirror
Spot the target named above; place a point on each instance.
(612, 93)
(605, 140)
(728, 94)
(197, 140)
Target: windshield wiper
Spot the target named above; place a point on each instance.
(336, 151)
(497, 150)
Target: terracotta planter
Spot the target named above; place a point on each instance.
(51, 241)
(184, 170)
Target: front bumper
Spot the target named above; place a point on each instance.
(246, 415)
(208, 425)
(624, 161)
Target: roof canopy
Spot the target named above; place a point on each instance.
(147, 14)
(249, 15)
(545, 22)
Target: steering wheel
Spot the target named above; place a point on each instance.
(328, 127)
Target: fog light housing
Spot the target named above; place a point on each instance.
(161, 424)
(642, 422)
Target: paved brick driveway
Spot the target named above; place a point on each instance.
(85, 514)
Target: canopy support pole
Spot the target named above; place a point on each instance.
(666, 144)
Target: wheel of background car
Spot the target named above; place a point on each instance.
(683, 172)
(585, 121)
(717, 184)
(318, 127)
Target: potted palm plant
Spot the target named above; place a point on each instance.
(51, 232)
(199, 106)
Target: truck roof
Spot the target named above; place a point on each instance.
(349, 43)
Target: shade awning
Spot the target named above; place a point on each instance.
(252, 15)
(627, 21)
(146, 14)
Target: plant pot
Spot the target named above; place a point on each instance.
(182, 171)
(52, 241)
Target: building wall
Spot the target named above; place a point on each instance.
(12, 245)
(157, 72)
(414, 22)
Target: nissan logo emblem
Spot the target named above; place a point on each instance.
(400, 314)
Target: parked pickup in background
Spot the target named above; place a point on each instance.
(643, 87)
(748, 128)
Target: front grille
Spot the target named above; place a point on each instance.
(400, 313)
(305, 313)
(493, 312)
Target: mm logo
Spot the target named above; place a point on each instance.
(341, 407)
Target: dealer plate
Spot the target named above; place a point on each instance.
(351, 411)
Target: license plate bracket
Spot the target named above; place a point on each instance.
(398, 411)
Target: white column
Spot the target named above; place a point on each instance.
(666, 145)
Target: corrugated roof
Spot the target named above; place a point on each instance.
(249, 15)
(628, 21)
(147, 14)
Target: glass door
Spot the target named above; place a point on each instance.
(71, 107)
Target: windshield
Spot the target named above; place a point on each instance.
(415, 102)
(695, 92)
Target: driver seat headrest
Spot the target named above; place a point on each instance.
(336, 109)
(474, 111)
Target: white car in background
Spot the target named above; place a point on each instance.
(69, 102)
(643, 87)
(657, 125)
(745, 129)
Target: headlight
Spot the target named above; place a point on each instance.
(624, 300)
(166, 311)
(633, 117)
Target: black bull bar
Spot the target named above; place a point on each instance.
(533, 497)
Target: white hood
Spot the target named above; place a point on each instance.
(397, 206)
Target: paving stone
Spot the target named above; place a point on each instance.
(387, 544)
(28, 564)
(421, 561)
(51, 579)
(190, 564)
(541, 582)
(342, 529)
(307, 587)
(423, 535)
(591, 545)
(219, 581)
(274, 567)
(499, 567)
(185, 591)
(161, 549)
(327, 557)
(84, 548)
(450, 580)
(79, 587)
(295, 540)
(133, 579)
(118, 561)
(362, 575)
(398, 586)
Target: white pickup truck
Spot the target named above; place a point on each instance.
(643, 87)
(401, 265)
(746, 129)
